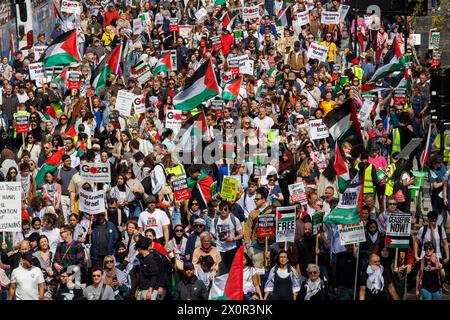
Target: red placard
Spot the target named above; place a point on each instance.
(22, 124)
(173, 26)
(217, 44)
(266, 225)
(181, 190)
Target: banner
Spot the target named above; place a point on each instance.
(249, 13)
(181, 190)
(351, 233)
(137, 26)
(173, 120)
(329, 17)
(10, 206)
(71, 6)
(92, 202)
(266, 225)
(316, 51)
(124, 102)
(298, 193)
(303, 18)
(22, 123)
(398, 230)
(365, 110)
(139, 104)
(229, 188)
(318, 130)
(285, 225)
(96, 172)
(36, 70)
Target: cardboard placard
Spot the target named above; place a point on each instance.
(96, 172)
(92, 202)
(36, 70)
(351, 233)
(71, 6)
(329, 17)
(124, 102)
(181, 190)
(298, 193)
(343, 10)
(74, 80)
(38, 51)
(173, 24)
(10, 206)
(285, 224)
(398, 230)
(303, 18)
(266, 225)
(22, 123)
(316, 51)
(137, 26)
(229, 189)
(365, 110)
(216, 42)
(139, 104)
(318, 130)
(249, 13)
(173, 120)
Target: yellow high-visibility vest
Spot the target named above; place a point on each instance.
(437, 145)
(389, 190)
(396, 146)
(368, 182)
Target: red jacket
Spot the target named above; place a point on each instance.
(110, 16)
(227, 42)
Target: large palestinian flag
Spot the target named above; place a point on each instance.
(49, 165)
(230, 286)
(62, 52)
(201, 87)
(231, 90)
(164, 64)
(341, 119)
(108, 66)
(341, 168)
(395, 64)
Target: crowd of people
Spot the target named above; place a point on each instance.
(146, 245)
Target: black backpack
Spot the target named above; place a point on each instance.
(233, 221)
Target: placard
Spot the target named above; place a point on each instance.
(303, 18)
(96, 172)
(266, 225)
(249, 13)
(22, 123)
(229, 189)
(417, 38)
(73, 80)
(298, 193)
(246, 67)
(217, 106)
(434, 39)
(365, 110)
(173, 24)
(181, 190)
(124, 102)
(36, 70)
(398, 230)
(184, 31)
(329, 17)
(139, 104)
(201, 14)
(316, 51)
(92, 202)
(317, 219)
(399, 96)
(318, 130)
(10, 206)
(216, 42)
(173, 120)
(343, 10)
(38, 51)
(351, 233)
(285, 224)
(70, 6)
(137, 26)
(146, 20)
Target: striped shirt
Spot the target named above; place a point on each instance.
(69, 254)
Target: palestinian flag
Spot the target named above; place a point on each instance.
(81, 148)
(284, 17)
(347, 210)
(394, 65)
(12, 50)
(108, 66)
(338, 120)
(49, 165)
(341, 168)
(230, 286)
(231, 90)
(203, 184)
(218, 3)
(62, 52)
(71, 132)
(164, 64)
(56, 12)
(225, 21)
(201, 87)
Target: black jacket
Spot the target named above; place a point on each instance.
(151, 272)
(14, 260)
(322, 294)
(191, 289)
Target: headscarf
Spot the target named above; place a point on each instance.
(312, 288)
(286, 164)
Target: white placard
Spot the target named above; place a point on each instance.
(285, 224)
(139, 104)
(10, 206)
(173, 120)
(70, 6)
(343, 10)
(365, 111)
(96, 172)
(351, 233)
(318, 130)
(184, 31)
(124, 102)
(201, 14)
(38, 51)
(92, 202)
(329, 17)
(36, 70)
(246, 66)
(43, 80)
(316, 51)
(303, 18)
(137, 26)
(249, 13)
(417, 37)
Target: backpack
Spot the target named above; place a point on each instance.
(233, 221)
(425, 229)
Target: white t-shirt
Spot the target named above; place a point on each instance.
(263, 124)
(223, 228)
(53, 238)
(427, 238)
(249, 272)
(155, 220)
(27, 282)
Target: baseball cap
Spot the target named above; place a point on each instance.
(200, 221)
(150, 199)
(188, 265)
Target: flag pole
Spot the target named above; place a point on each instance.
(356, 247)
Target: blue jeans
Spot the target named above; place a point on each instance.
(345, 294)
(427, 295)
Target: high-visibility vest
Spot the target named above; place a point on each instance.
(396, 146)
(17, 114)
(177, 170)
(368, 182)
(437, 146)
(389, 190)
(272, 135)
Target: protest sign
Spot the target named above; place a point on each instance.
(124, 102)
(298, 193)
(434, 39)
(365, 110)
(173, 57)
(181, 190)
(317, 219)
(398, 230)
(139, 104)
(417, 38)
(201, 14)
(36, 70)
(400, 96)
(249, 13)
(351, 233)
(92, 202)
(285, 224)
(22, 123)
(10, 206)
(141, 71)
(184, 31)
(303, 18)
(173, 24)
(318, 130)
(71, 6)
(246, 66)
(343, 10)
(229, 188)
(173, 120)
(216, 42)
(217, 106)
(238, 36)
(137, 26)
(73, 80)
(329, 17)
(96, 172)
(233, 65)
(146, 19)
(38, 50)
(316, 51)
(410, 147)
(266, 225)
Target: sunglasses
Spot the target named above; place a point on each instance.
(109, 261)
(312, 272)
(392, 204)
(179, 230)
(256, 199)
(429, 249)
(194, 203)
(96, 276)
(199, 226)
